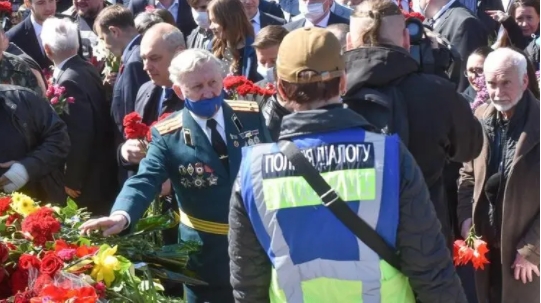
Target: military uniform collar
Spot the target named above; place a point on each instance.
(321, 120)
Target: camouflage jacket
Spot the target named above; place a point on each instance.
(15, 71)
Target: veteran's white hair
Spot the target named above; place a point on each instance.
(60, 35)
(506, 58)
(189, 60)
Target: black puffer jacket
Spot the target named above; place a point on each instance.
(441, 124)
(424, 257)
(46, 138)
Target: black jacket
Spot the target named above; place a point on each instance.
(424, 257)
(441, 124)
(90, 166)
(47, 142)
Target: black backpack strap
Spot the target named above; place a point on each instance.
(337, 206)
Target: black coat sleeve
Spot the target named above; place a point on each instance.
(250, 265)
(133, 78)
(81, 130)
(466, 133)
(53, 142)
(425, 259)
(470, 35)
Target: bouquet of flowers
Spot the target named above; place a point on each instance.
(240, 86)
(5, 8)
(472, 249)
(43, 258)
(482, 96)
(102, 54)
(411, 13)
(57, 97)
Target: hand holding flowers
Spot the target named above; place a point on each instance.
(56, 95)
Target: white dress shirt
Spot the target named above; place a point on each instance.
(323, 23)
(37, 31)
(256, 22)
(173, 9)
(437, 16)
(219, 117)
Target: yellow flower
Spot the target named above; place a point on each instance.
(23, 204)
(105, 265)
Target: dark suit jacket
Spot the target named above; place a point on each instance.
(268, 19)
(185, 21)
(465, 32)
(249, 62)
(271, 8)
(333, 19)
(24, 36)
(90, 164)
(130, 78)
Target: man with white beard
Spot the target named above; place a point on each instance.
(503, 183)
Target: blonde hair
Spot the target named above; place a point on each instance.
(367, 21)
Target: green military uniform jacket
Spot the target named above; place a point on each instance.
(181, 151)
(14, 71)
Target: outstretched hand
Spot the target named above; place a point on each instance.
(111, 225)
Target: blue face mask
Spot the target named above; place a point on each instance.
(205, 108)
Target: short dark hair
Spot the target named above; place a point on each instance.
(304, 93)
(482, 51)
(270, 35)
(165, 15)
(114, 15)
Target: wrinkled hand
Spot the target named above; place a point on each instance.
(498, 16)
(110, 79)
(133, 151)
(465, 228)
(72, 193)
(166, 188)
(524, 269)
(3, 179)
(111, 225)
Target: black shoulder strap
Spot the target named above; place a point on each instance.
(337, 206)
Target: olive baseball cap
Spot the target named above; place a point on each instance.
(309, 49)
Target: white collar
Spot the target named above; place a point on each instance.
(333, 6)
(35, 24)
(158, 4)
(257, 18)
(58, 67)
(443, 10)
(202, 122)
(323, 23)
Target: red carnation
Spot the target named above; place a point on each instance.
(5, 205)
(5, 7)
(19, 280)
(149, 132)
(231, 82)
(244, 89)
(12, 218)
(51, 263)
(27, 261)
(134, 128)
(41, 225)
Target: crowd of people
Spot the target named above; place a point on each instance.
(349, 180)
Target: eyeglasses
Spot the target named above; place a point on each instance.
(474, 71)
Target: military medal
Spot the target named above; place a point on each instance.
(250, 141)
(213, 180)
(233, 137)
(184, 182)
(236, 143)
(236, 121)
(190, 169)
(199, 182)
(199, 168)
(208, 169)
(256, 140)
(182, 170)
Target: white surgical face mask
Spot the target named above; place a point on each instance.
(311, 11)
(201, 18)
(266, 73)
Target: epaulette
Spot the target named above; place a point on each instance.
(243, 106)
(169, 125)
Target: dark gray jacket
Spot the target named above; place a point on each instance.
(425, 259)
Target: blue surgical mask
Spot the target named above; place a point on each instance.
(205, 108)
(266, 73)
(311, 11)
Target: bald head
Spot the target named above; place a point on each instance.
(159, 45)
(169, 35)
(376, 22)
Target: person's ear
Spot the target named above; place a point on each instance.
(178, 91)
